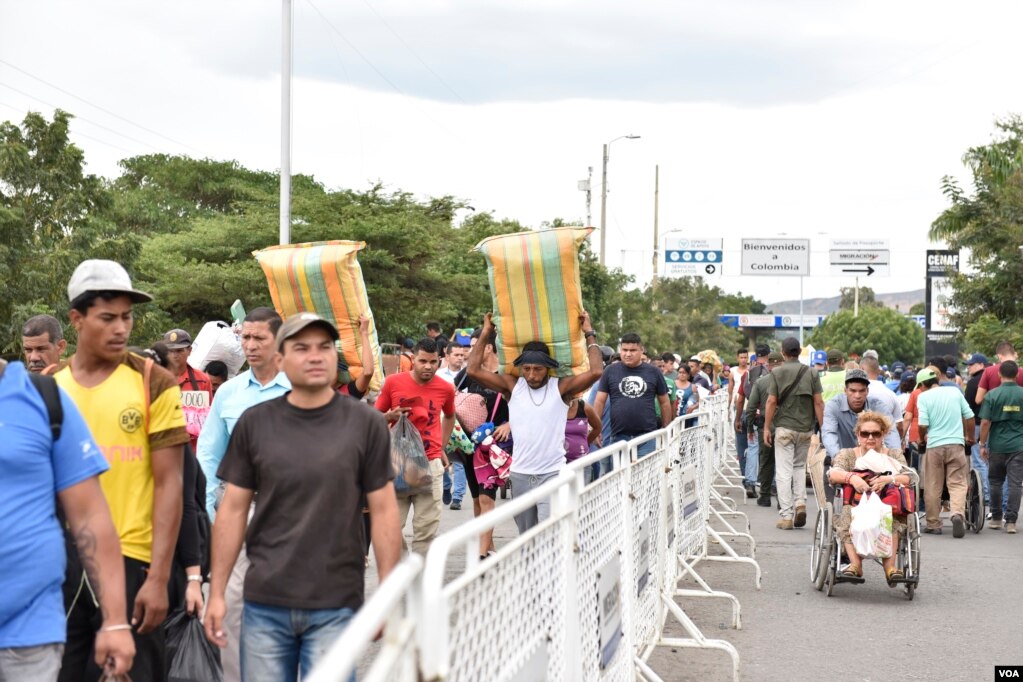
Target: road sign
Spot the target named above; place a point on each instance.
(860, 257)
(776, 257)
(692, 257)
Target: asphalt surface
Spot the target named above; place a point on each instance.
(966, 616)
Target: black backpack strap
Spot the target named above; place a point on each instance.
(788, 389)
(191, 378)
(47, 387)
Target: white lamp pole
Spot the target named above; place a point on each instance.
(286, 71)
(603, 196)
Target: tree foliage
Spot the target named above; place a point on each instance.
(988, 222)
(847, 300)
(894, 336)
(186, 228)
(52, 216)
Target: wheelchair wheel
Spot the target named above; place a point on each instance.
(910, 560)
(975, 511)
(822, 548)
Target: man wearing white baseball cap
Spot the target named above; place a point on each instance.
(133, 409)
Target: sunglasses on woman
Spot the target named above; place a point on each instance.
(870, 434)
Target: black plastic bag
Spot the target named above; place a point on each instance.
(192, 657)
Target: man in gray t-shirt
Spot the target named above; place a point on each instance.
(305, 538)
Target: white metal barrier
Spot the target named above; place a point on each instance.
(392, 612)
(584, 595)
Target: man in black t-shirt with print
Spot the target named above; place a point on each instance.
(632, 386)
(312, 455)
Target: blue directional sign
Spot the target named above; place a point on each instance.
(684, 257)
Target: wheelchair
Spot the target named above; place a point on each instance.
(827, 554)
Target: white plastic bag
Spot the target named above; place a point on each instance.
(871, 527)
(217, 341)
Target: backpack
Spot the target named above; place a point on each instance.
(48, 391)
(750, 378)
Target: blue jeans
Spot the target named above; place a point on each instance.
(741, 446)
(277, 642)
(980, 465)
(751, 472)
(642, 451)
(459, 483)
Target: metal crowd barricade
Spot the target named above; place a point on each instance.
(393, 608)
(584, 595)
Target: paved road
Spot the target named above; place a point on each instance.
(965, 618)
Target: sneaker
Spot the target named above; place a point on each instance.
(784, 524)
(958, 526)
(446, 498)
(764, 501)
(933, 531)
(995, 524)
(456, 505)
(1010, 528)
(800, 520)
(751, 490)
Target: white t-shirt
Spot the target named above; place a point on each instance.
(736, 373)
(538, 421)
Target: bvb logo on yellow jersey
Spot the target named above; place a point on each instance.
(130, 420)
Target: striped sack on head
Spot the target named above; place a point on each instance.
(324, 278)
(534, 282)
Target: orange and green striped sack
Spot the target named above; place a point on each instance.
(324, 278)
(534, 282)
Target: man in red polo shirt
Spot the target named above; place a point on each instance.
(990, 379)
(196, 388)
(429, 403)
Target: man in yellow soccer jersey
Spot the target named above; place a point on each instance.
(133, 409)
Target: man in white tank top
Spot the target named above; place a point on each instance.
(538, 410)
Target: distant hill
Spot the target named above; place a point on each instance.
(901, 301)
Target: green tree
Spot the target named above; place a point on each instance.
(987, 331)
(53, 215)
(680, 315)
(988, 222)
(889, 332)
(919, 308)
(847, 301)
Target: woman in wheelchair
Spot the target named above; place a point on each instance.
(871, 428)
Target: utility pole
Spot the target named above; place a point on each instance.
(657, 193)
(603, 210)
(286, 70)
(603, 196)
(589, 196)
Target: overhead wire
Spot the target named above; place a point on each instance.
(413, 52)
(355, 49)
(96, 106)
(77, 133)
(80, 118)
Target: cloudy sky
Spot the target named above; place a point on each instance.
(812, 119)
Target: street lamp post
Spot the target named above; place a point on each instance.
(603, 195)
